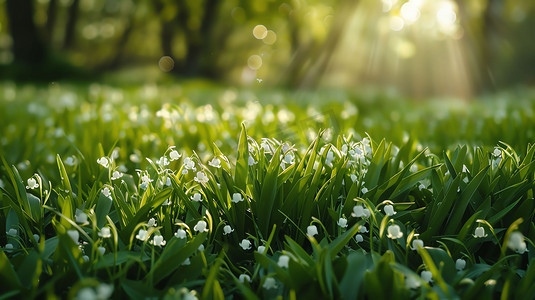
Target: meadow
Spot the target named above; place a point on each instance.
(196, 191)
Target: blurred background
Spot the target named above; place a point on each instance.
(420, 48)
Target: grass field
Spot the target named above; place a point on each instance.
(198, 191)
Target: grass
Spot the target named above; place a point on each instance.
(110, 192)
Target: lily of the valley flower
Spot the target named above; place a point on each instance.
(101, 250)
(74, 234)
(480, 232)
(245, 244)
(189, 164)
(36, 237)
(163, 161)
(105, 232)
(174, 155)
(364, 190)
(363, 229)
(201, 177)
(312, 230)
(215, 162)
(145, 181)
(227, 229)
(251, 161)
(342, 222)
(360, 212)
(196, 197)
(32, 184)
(80, 216)
(12, 232)
(417, 243)
(244, 277)
(394, 232)
(142, 235)
(516, 242)
(460, 264)
(152, 222)
(389, 210)
(104, 161)
(106, 192)
(261, 249)
(269, 283)
(181, 233)
(283, 261)
(201, 226)
(427, 276)
(237, 197)
(359, 238)
(158, 240)
(411, 282)
(116, 175)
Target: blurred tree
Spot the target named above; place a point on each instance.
(70, 28)
(27, 46)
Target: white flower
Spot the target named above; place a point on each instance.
(329, 158)
(104, 161)
(354, 177)
(237, 197)
(201, 248)
(116, 175)
(174, 155)
(85, 258)
(12, 232)
(269, 283)
(516, 242)
(74, 234)
(196, 197)
(215, 162)
(360, 212)
(201, 177)
(71, 161)
(417, 243)
(189, 164)
(102, 250)
(145, 181)
(497, 152)
(181, 233)
(104, 291)
(106, 192)
(9, 246)
(152, 222)
(389, 210)
(394, 232)
(342, 222)
(283, 261)
(244, 277)
(227, 229)
(186, 262)
(411, 282)
(261, 249)
(32, 184)
(364, 190)
(201, 226)
(479, 232)
(142, 235)
(158, 240)
(250, 160)
(163, 161)
(86, 293)
(363, 229)
(359, 238)
(36, 237)
(312, 230)
(427, 276)
(460, 264)
(105, 232)
(245, 244)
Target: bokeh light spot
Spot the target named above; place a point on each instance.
(260, 31)
(396, 23)
(270, 38)
(254, 62)
(166, 63)
(410, 12)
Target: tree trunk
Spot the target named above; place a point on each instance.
(51, 12)
(70, 28)
(27, 47)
